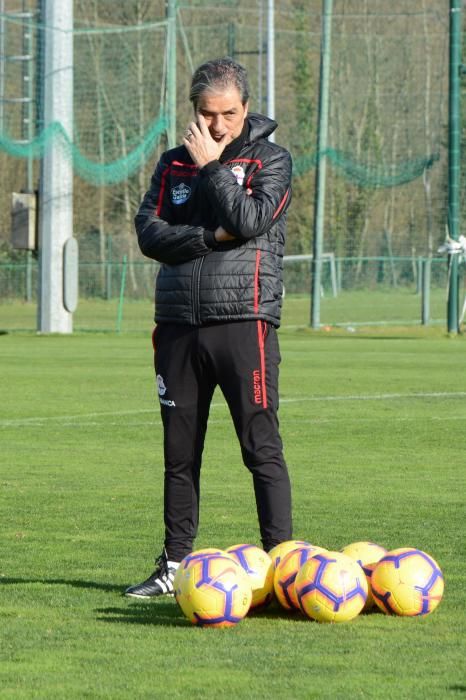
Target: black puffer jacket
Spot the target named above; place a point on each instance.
(201, 281)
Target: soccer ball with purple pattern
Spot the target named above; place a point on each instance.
(331, 587)
(191, 558)
(286, 572)
(259, 567)
(367, 554)
(407, 581)
(214, 591)
(281, 550)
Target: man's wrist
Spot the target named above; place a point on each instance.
(209, 238)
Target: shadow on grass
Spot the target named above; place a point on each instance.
(275, 612)
(161, 612)
(165, 613)
(76, 583)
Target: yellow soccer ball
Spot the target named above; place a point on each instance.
(366, 554)
(192, 557)
(259, 567)
(280, 550)
(214, 591)
(407, 581)
(285, 574)
(331, 587)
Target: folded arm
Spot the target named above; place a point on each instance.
(160, 240)
(249, 213)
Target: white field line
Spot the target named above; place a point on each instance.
(75, 419)
(381, 397)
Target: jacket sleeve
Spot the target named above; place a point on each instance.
(247, 216)
(157, 237)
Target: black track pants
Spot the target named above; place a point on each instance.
(242, 358)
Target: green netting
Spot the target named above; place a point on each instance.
(368, 175)
(121, 82)
(119, 111)
(96, 173)
(387, 174)
(116, 171)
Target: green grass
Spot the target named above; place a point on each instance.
(356, 307)
(373, 426)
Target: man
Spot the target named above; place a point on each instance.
(214, 217)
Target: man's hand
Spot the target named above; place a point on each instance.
(221, 235)
(201, 146)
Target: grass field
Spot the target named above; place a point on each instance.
(375, 306)
(373, 427)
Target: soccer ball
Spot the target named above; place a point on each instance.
(214, 591)
(331, 587)
(366, 554)
(280, 550)
(192, 557)
(259, 567)
(285, 574)
(407, 581)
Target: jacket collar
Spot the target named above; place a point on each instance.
(256, 126)
(260, 126)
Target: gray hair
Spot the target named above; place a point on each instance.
(217, 76)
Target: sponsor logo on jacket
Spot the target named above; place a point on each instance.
(180, 194)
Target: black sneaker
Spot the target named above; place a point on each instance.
(159, 583)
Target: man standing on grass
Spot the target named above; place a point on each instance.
(214, 217)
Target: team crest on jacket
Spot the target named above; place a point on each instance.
(238, 172)
(161, 385)
(180, 194)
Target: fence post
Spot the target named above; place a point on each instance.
(333, 274)
(454, 161)
(319, 214)
(339, 273)
(425, 299)
(420, 272)
(108, 277)
(122, 294)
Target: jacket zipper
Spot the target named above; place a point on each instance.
(196, 281)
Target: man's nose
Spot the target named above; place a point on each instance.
(218, 123)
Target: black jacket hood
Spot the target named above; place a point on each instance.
(260, 127)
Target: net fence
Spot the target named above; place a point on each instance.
(386, 185)
(110, 301)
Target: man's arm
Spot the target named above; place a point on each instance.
(160, 240)
(247, 215)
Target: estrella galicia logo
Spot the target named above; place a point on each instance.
(180, 194)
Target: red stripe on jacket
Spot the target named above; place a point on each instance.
(281, 205)
(163, 183)
(256, 282)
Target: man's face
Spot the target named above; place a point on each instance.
(223, 112)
